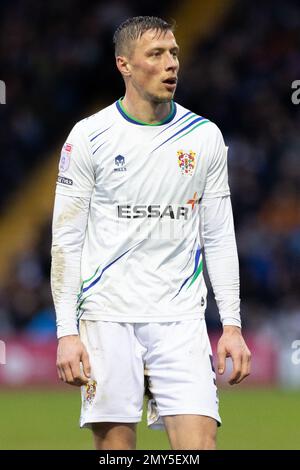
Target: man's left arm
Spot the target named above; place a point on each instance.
(218, 238)
(223, 269)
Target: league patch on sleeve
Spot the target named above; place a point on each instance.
(65, 157)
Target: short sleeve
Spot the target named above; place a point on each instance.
(216, 184)
(76, 173)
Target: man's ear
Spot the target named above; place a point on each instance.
(123, 65)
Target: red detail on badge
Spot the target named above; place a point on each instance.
(68, 147)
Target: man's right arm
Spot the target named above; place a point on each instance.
(75, 185)
(68, 232)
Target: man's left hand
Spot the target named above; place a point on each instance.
(232, 344)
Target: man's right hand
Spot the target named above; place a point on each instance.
(70, 353)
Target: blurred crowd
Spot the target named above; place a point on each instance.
(58, 60)
(55, 57)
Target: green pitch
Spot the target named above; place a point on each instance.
(252, 419)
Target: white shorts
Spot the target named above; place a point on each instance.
(176, 356)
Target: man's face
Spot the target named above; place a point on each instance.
(154, 65)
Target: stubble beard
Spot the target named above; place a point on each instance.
(157, 99)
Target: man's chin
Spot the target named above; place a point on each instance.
(160, 99)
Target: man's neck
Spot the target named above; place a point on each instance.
(146, 111)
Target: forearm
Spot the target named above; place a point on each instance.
(221, 257)
(68, 233)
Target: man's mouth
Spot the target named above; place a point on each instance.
(170, 81)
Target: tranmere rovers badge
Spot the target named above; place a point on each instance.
(186, 162)
(90, 391)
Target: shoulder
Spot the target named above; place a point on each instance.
(213, 134)
(96, 123)
(206, 126)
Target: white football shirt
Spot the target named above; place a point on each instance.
(142, 255)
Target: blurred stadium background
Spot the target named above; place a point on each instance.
(238, 62)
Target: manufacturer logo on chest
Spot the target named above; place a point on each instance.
(120, 163)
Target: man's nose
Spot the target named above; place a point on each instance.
(171, 62)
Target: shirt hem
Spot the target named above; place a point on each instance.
(143, 318)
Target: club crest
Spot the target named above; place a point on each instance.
(186, 162)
